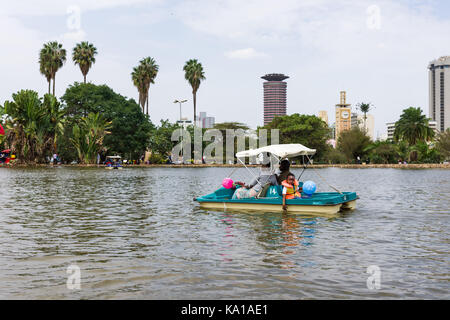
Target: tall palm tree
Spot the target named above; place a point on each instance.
(193, 73)
(137, 76)
(83, 55)
(413, 127)
(150, 69)
(52, 57)
(365, 108)
(44, 67)
(142, 76)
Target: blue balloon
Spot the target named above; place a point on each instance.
(309, 187)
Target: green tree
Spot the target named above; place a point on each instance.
(88, 137)
(56, 118)
(413, 126)
(130, 128)
(35, 126)
(382, 152)
(194, 74)
(51, 58)
(44, 66)
(142, 76)
(425, 153)
(84, 56)
(353, 143)
(160, 141)
(308, 130)
(443, 143)
(364, 108)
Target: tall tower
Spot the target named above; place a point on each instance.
(439, 86)
(274, 96)
(343, 115)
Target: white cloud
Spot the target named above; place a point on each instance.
(248, 53)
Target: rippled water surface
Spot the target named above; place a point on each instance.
(137, 233)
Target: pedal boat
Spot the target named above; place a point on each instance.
(324, 203)
(113, 162)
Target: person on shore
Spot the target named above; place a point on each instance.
(290, 189)
(284, 170)
(252, 190)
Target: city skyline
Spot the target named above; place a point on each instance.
(365, 49)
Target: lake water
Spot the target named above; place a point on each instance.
(137, 234)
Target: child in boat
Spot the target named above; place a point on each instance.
(290, 189)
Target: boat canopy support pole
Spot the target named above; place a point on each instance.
(304, 165)
(254, 176)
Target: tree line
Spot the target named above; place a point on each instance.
(52, 57)
(414, 140)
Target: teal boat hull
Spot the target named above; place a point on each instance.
(320, 202)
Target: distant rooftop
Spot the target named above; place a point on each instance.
(274, 77)
(442, 61)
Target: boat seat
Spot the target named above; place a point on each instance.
(273, 191)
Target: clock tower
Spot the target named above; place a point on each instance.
(343, 116)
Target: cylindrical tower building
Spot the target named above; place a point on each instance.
(274, 96)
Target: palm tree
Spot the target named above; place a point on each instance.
(365, 108)
(150, 69)
(193, 73)
(413, 126)
(138, 81)
(83, 55)
(443, 143)
(55, 118)
(142, 76)
(52, 57)
(88, 136)
(44, 68)
(34, 126)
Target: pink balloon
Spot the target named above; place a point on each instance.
(227, 183)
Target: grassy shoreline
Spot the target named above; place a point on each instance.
(317, 166)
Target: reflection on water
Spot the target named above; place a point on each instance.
(136, 233)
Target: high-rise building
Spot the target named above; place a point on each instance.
(274, 96)
(324, 116)
(357, 120)
(439, 88)
(343, 115)
(205, 121)
(391, 129)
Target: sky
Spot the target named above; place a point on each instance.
(378, 51)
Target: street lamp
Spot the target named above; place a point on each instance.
(180, 102)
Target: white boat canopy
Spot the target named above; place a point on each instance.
(280, 150)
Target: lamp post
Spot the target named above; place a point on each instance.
(180, 102)
(181, 122)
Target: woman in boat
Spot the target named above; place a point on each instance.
(290, 189)
(251, 190)
(284, 170)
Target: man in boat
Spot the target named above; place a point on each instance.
(290, 189)
(284, 170)
(252, 190)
